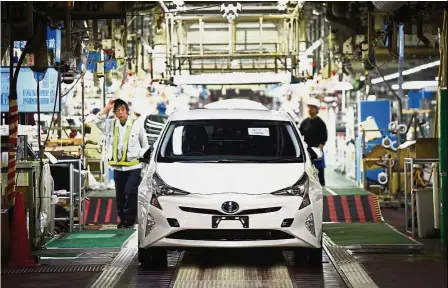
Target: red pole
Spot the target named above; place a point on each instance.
(13, 115)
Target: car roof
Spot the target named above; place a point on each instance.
(230, 114)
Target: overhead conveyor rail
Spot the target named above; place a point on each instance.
(205, 43)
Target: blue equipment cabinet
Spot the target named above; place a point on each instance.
(380, 111)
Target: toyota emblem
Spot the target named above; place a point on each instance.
(230, 207)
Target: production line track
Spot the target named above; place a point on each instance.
(232, 269)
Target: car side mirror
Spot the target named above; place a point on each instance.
(315, 154)
(147, 155)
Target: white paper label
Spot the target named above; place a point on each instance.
(258, 131)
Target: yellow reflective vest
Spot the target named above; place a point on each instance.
(123, 161)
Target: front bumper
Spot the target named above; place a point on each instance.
(266, 213)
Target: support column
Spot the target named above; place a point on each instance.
(443, 133)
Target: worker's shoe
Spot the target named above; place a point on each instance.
(121, 225)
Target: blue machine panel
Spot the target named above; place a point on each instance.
(380, 111)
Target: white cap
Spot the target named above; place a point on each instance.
(314, 102)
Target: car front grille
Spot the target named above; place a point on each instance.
(242, 212)
(230, 235)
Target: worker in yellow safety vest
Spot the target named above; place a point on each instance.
(126, 143)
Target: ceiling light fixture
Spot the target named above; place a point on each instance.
(231, 11)
(281, 5)
(406, 72)
(180, 5)
(417, 85)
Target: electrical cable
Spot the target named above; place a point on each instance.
(400, 104)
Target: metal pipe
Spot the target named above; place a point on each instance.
(68, 29)
(162, 4)
(260, 36)
(322, 54)
(201, 33)
(72, 188)
(80, 196)
(435, 195)
(167, 49)
(83, 127)
(172, 40)
(234, 40)
(60, 106)
(230, 37)
(442, 107)
(401, 64)
(284, 36)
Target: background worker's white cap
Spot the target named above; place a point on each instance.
(314, 102)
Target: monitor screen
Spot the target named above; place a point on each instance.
(27, 90)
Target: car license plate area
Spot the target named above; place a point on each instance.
(216, 220)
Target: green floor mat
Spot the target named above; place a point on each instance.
(93, 239)
(346, 234)
(346, 191)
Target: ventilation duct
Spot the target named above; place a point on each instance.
(341, 23)
(388, 6)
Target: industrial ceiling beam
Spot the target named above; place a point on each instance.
(242, 18)
(240, 56)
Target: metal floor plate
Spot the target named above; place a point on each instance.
(314, 277)
(233, 269)
(136, 276)
(57, 269)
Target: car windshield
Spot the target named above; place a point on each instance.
(230, 141)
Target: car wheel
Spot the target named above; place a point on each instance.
(152, 258)
(308, 256)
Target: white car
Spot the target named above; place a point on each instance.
(229, 178)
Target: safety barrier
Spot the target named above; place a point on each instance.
(351, 208)
(101, 211)
(338, 208)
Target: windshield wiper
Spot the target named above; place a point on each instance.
(286, 160)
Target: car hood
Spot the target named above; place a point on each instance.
(216, 178)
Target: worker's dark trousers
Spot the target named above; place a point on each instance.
(126, 189)
(321, 176)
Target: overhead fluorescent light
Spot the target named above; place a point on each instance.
(342, 86)
(411, 85)
(311, 49)
(407, 72)
(233, 78)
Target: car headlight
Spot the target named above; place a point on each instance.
(298, 189)
(150, 224)
(160, 188)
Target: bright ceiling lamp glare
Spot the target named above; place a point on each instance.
(281, 5)
(231, 11)
(411, 85)
(180, 6)
(406, 72)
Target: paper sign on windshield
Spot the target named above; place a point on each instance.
(258, 131)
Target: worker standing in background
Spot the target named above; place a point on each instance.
(126, 143)
(315, 133)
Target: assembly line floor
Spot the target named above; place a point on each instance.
(381, 257)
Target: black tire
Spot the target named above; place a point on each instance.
(308, 256)
(152, 258)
